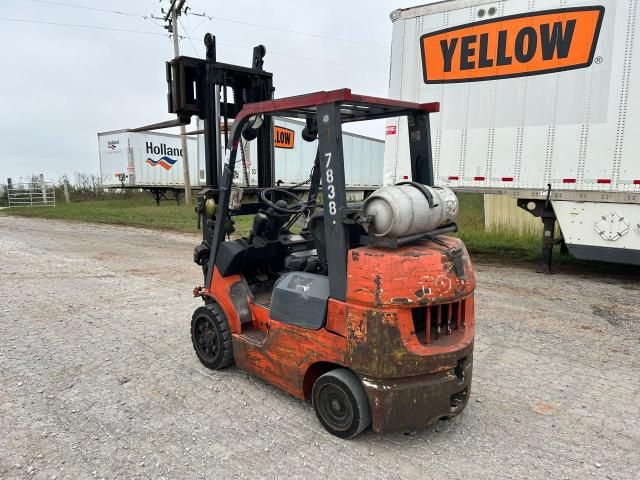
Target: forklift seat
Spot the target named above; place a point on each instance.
(301, 261)
(316, 228)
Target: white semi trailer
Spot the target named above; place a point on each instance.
(147, 159)
(294, 157)
(153, 161)
(540, 100)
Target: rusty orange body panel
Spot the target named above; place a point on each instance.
(220, 291)
(337, 317)
(286, 353)
(406, 329)
(414, 275)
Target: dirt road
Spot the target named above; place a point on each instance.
(98, 378)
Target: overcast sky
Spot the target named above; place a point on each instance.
(60, 85)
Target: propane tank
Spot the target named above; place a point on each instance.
(402, 210)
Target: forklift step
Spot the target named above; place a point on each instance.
(254, 335)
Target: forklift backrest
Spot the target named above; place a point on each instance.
(316, 228)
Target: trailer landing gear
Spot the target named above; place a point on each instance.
(162, 193)
(544, 210)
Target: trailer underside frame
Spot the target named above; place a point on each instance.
(602, 196)
(160, 193)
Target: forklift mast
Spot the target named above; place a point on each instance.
(216, 92)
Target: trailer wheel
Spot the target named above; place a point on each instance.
(211, 337)
(341, 403)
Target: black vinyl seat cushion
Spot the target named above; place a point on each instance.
(316, 228)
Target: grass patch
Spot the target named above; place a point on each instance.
(136, 211)
(141, 211)
(501, 242)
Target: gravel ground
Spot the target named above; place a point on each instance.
(98, 378)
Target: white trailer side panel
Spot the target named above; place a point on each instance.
(515, 119)
(629, 151)
(364, 158)
(572, 129)
(113, 153)
(148, 159)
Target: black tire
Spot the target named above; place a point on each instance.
(211, 337)
(341, 404)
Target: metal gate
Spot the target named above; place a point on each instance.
(39, 194)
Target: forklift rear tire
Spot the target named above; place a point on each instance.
(211, 337)
(341, 403)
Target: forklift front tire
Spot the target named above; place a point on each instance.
(211, 337)
(341, 404)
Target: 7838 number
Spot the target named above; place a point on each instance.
(331, 189)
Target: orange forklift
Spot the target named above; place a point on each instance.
(367, 309)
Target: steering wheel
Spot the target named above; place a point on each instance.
(296, 206)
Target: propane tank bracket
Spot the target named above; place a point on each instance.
(423, 190)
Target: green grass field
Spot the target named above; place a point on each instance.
(141, 211)
(138, 211)
(498, 242)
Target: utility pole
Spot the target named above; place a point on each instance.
(174, 11)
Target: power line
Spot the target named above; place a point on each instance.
(203, 18)
(326, 62)
(95, 27)
(98, 27)
(298, 32)
(189, 38)
(83, 7)
(221, 19)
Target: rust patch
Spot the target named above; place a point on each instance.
(378, 291)
(416, 401)
(391, 318)
(360, 330)
(382, 353)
